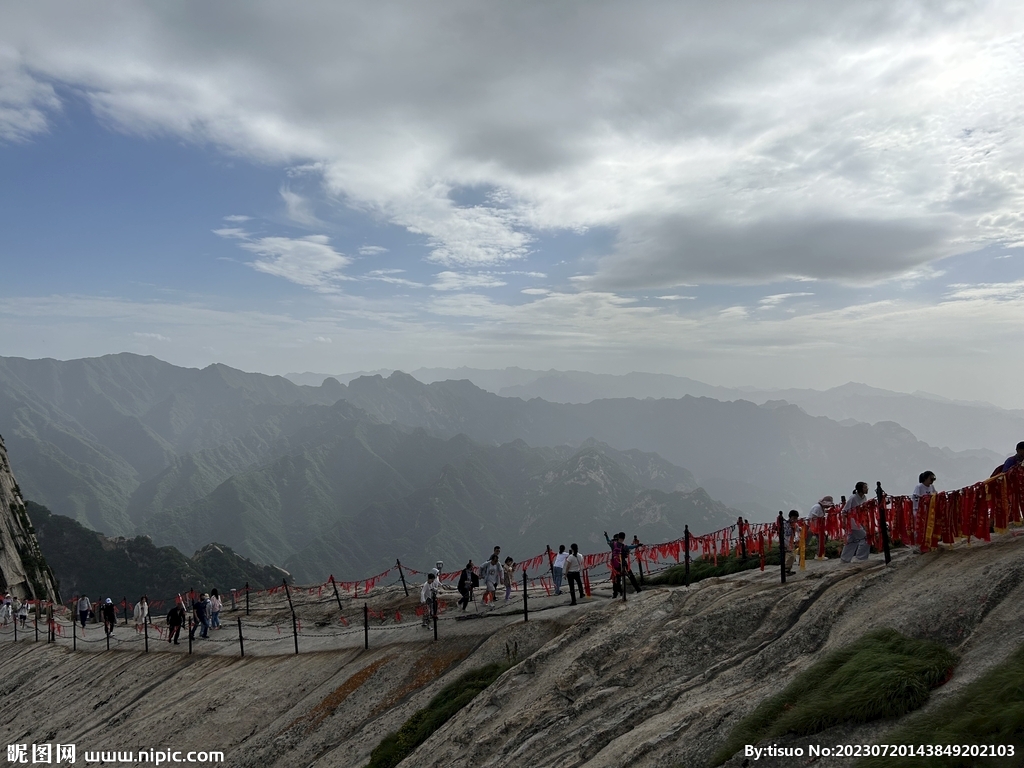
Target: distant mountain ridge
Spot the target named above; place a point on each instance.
(274, 471)
(933, 419)
(757, 458)
(340, 476)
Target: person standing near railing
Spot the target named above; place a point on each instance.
(109, 616)
(573, 569)
(141, 613)
(428, 597)
(507, 574)
(175, 621)
(556, 568)
(857, 545)
(215, 607)
(817, 519)
(1014, 461)
(925, 487)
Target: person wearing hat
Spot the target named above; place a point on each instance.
(817, 520)
(109, 616)
(857, 545)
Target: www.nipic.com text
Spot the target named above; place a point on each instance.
(58, 754)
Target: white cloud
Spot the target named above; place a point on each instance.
(298, 208)
(895, 126)
(460, 281)
(153, 336)
(390, 276)
(1012, 291)
(308, 261)
(234, 232)
(25, 102)
(323, 339)
(675, 297)
(372, 250)
(776, 299)
(237, 218)
(535, 291)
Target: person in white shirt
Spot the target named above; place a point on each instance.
(857, 545)
(925, 487)
(140, 613)
(557, 566)
(428, 596)
(573, 570)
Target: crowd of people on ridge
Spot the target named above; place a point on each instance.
(856, 545)
(205, 614)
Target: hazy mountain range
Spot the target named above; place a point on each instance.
(344, 479)
(933, 419)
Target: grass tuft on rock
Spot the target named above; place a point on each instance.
(883, 674)
(395, 747)
(988, 711)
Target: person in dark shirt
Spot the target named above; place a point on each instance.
(175, 620)
(109, 616)
(1016, 460)
(467, 580)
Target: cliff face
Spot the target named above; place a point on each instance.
(23, 571)
(658, 681)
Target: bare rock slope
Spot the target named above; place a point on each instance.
(23, 571)
(656, 681)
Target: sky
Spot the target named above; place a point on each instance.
(790, 194)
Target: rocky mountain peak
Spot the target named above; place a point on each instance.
(22, 568)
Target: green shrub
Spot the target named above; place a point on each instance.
(395, 747)
(988, 711)
(883, 674)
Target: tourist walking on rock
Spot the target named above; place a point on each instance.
(620, 563)
(573, 569)
(556, 568)
(792, 534)
(491, 576)
(84, 606)
(7, 610)
(21, 609)
(857, 545)
(109, 612)
(141, 613)
(467, 580)
(816, 517)
(428, 597)
(506, 576)
(215, 607)
(201, 614)
(175, 621)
